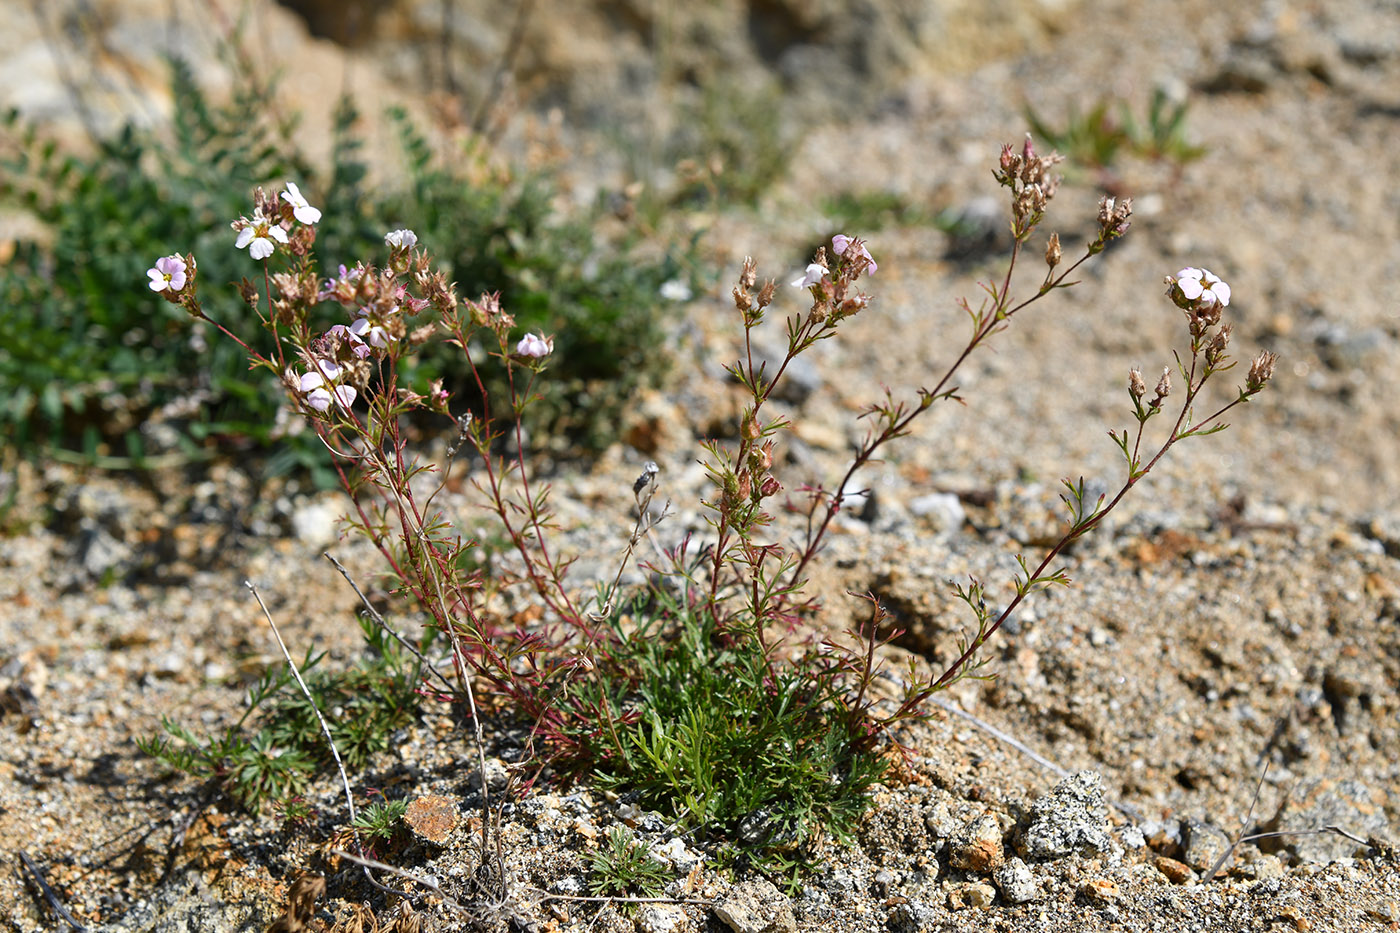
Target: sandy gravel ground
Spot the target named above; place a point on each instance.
(1242, 608)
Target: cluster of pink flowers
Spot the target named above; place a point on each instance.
(840, 245)
(318, 385)
(362, 335)
(321, 385)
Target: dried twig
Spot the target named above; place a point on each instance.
(1244, 825)
(49, 894)
(1126, 809)
(379, 621)
(306, 692)
(643, 490)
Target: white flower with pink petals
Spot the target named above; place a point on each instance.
(168, 273)
(840, 243)
(1201, 287)
(319, 388)
(814, 274)
(372, 334)
(536, 347)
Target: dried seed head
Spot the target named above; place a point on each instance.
(1260, 371)
(1164, 387)
(748, 276)
(1113, 217)
(1203, 317)
(1136, 387)
(1028, 176)
(248, 292)
(765, 294)
(1218, 343)
(1053, 253)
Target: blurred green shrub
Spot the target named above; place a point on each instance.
(602, 302)
(90, 356)
(1094, 140)
(89, 353)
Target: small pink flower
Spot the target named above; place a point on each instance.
(840, 243)
(168, 273)
(260, 235)
(342, 288)
(535, 347)
(301, 210)
(815, 273)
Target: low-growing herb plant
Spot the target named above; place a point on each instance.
(381, 820)
(364, 704)
(685, 693)
(623, 866)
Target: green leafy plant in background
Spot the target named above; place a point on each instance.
(88, 356)
(1093, 140)
(501, 234)
(92, 362)
(740, 147)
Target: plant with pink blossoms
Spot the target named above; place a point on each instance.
(841, 244)
(318, 386)
(576, 675)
